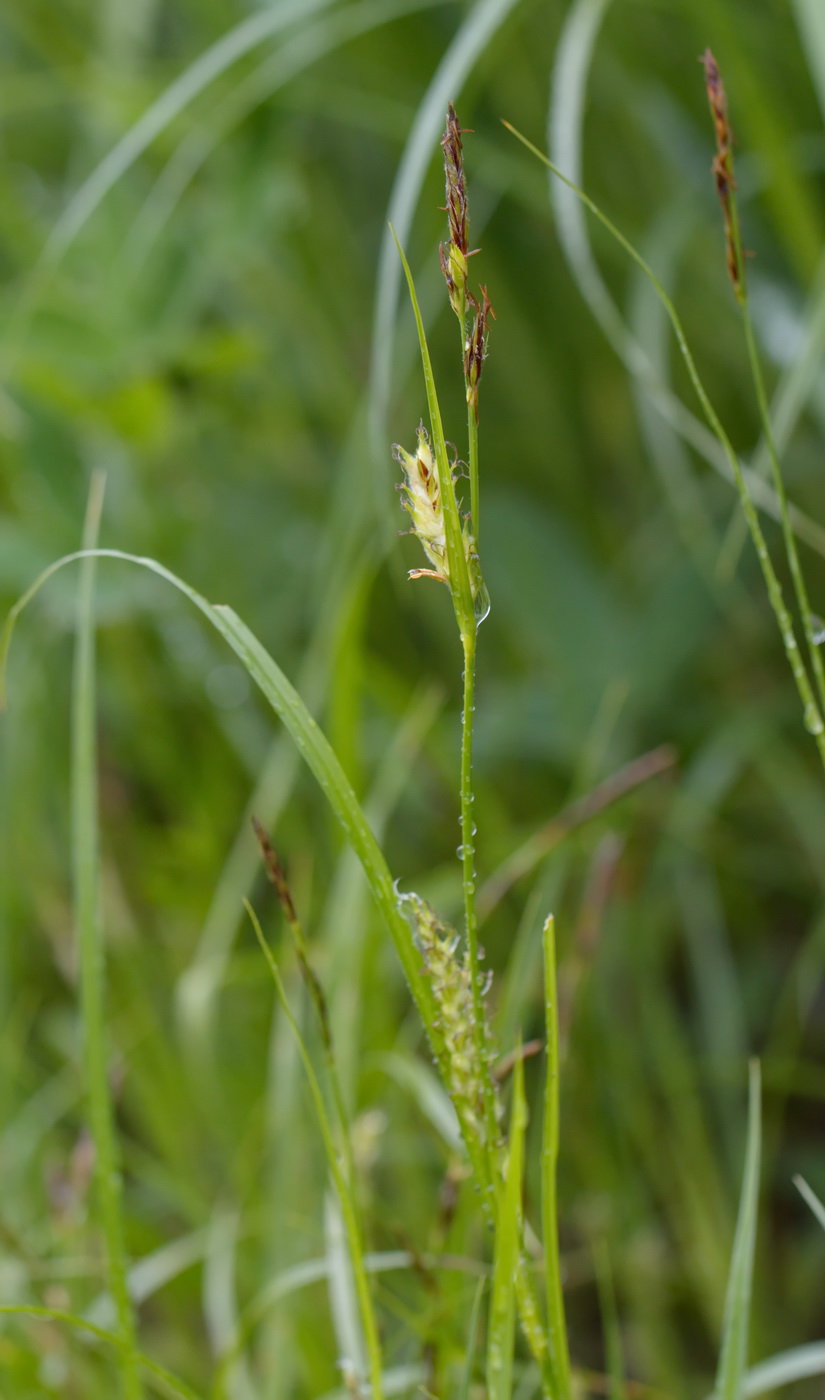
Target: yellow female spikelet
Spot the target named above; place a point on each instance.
(448, 973)
(421, 491)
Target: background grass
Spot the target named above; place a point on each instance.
(205, 334)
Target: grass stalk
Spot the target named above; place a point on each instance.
(788, 535)
(810, 709)
(556, 1322)
(472, 462)
(165, 1382)
(723, 170)
(86, 882)
(469, 886)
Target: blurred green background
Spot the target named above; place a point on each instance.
(200, 301)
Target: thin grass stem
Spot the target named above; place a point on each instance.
(165, 1382)
(86, 881)
(810, 709)
(472, 439)
(800, 587)
(469, 884)
(556, 1322)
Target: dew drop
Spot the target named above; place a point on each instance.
(813, 720)
(481, 604)
(818, 627)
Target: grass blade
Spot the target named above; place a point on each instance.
(456, 558)
(86, 882)
(565, 124)
(165, 1382)
(469, 41)
(556, 1324)
(810, 711)
(810, 1198)
(734, 1357)
(309, 740)
(502, 1324)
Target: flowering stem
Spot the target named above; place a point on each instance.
(797, 576)
(472, 435)
(812, 717)
(472, 421)
(468, 640)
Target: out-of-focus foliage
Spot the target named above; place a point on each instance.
(195, 314)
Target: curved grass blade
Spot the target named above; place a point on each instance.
(242, 39)
(734, 1357)
(308, 738)
(565, 122)
(226, 51)
(165, 1382)
(456, 558)
(89, 932)
(797, 1364)
(810, 1198)
(469, 41)
(275, 72)
(810, 710)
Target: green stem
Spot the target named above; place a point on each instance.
(556, 1324)
(800, 588)
(469, 880)
(86, 879)
(788, 536)
(472, 437)
(472, 427)
(812, 717)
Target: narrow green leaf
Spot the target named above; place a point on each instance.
(165, 1382)
(784, 621)
(810, 1197)
(556, 1324)
(466, 1384)
(734, 1357)
(310, 742)
(610, 1324)
(456, 558)
(502, 1323)
(89, 932)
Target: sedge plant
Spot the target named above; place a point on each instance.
(442, 964)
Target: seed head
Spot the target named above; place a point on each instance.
(455, 253)
(723, 167)
(475, 349)
(456, 183)
(448, 973)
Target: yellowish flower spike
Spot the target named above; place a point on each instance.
(421, 491)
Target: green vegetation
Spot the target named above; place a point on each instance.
(262, 1145)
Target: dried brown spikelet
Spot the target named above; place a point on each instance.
(723, 167)
(475, 348)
